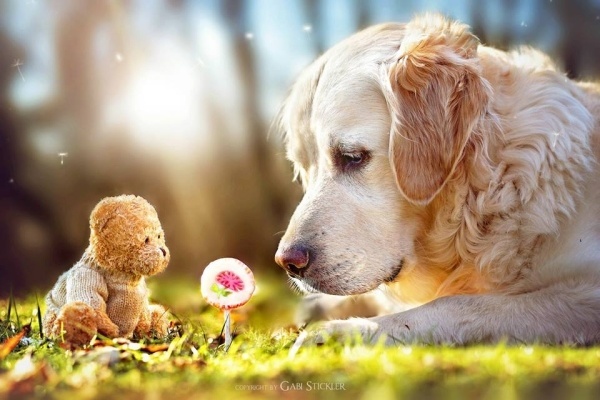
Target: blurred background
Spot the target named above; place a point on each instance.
(172, 100)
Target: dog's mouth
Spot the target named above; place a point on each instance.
(304, 285)
(300, 285)
(395, 272)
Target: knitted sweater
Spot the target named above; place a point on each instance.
(124, 298)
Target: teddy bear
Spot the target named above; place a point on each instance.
(105, 292)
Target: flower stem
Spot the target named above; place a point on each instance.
(228, 337)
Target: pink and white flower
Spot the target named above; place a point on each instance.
(227, 283)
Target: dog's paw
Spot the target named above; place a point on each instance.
(360, 330)
(324, 307)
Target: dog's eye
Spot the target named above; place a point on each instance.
(352, 161)
(147, 240)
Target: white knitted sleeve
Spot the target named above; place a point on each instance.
(88, 286)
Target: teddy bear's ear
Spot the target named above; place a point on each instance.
(99, 224)
(103, 213)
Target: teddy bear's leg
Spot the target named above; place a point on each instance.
(159, 323)
(153, 321)
(75, 324)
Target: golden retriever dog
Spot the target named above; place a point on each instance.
(462, 179)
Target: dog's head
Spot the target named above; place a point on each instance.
(375, 129)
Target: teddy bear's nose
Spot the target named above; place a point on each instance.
(164, 252)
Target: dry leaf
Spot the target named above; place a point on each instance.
(155, 348)
(25, 376)
(10, 343)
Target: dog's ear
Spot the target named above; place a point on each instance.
(436, 96)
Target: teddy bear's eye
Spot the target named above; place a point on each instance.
(159, 235)
(147, 240)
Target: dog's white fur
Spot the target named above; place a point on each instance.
(476, 170)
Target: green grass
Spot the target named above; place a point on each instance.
(191, 365)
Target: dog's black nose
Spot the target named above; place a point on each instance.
(294, 259)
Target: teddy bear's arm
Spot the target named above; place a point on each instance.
(143, 326)
(88, 286)
(153, 319)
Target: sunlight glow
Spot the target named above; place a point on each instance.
(162, 101)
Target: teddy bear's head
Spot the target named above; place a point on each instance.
(126, 236)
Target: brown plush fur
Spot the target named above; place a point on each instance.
(105, 292)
